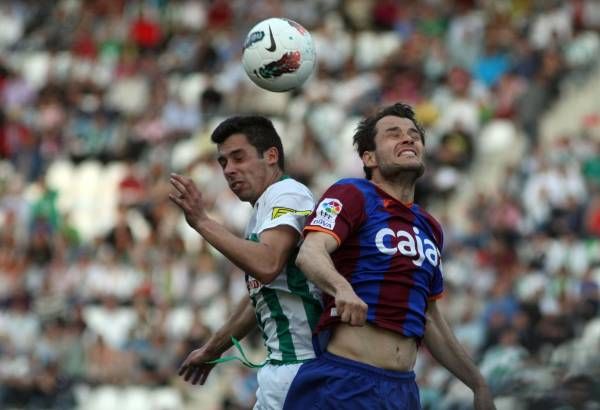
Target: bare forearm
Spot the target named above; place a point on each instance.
(447, 350)
(254, 258)
(318, 267)
(239, 324)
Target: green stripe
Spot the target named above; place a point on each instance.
(286, 345)
(261, 325)
(299, 286)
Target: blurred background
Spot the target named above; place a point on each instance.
(103, 288)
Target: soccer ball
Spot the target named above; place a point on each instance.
(279, 54)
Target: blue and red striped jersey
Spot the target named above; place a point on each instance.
(388, 251)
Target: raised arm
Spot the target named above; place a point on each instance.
(194, 368)
(264, 260)
(315, 261)
(447, 350)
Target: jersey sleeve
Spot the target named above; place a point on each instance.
(290, 207)
(339, 212)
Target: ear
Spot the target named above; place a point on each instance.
(368, 159)
(271, 155)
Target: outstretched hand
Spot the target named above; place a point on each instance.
(195, 369)
(187, 197)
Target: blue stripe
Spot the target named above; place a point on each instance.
(372, 264)
(419, 291)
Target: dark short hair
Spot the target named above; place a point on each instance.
(364, 136)
(259, 131)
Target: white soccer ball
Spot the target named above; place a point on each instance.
(279, 54)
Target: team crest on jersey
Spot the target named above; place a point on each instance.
(326, 213)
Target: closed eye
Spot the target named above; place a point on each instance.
(236, 156)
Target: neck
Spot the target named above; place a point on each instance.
(274, 177)
(401, 188)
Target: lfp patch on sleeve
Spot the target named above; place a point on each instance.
(326, 213)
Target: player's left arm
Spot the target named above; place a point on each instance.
(447, 350)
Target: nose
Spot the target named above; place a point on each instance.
(407, 139)
(229, 169)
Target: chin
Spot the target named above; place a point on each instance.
(411, 164)
(243, 196)
(415, 168)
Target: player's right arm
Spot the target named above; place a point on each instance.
(315, 261)
(264, 259)
(195, 368)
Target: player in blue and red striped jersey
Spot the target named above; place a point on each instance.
(376, 255)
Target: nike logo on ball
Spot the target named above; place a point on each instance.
(273, 46)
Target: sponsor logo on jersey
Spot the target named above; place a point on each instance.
(326, 213)
(253, 285)
(279, 210)
(390, 243)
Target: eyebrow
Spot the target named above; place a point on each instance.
(224, 156)
(396, 128)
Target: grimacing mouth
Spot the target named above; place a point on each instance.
(403, 150)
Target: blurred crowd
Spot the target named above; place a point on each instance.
(103, 288)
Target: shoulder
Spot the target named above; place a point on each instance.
(360, 190)
(356, 182)
(357, 185)
(436, 226)
(288, 185)
(289, 194)
(351, 194)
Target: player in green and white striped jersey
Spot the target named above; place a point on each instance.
(288, 308)
(281, 301)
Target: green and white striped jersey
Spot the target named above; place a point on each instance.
(288, 308)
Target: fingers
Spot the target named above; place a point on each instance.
(352, 312)
(189, 373)
(197, 374)
(185, 181)
(186, 195)
(177, 200)
(205, 374)
(180, 183)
